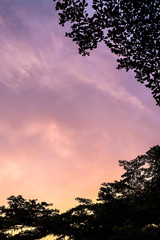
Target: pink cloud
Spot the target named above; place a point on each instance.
(65, 120)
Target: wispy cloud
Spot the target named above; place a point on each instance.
(65, 120)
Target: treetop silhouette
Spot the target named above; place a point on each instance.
(131, 29)
(127, 209)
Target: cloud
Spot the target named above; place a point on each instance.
(65, 120)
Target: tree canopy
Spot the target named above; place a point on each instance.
(25, 219)
(127, 209)
(131, 29)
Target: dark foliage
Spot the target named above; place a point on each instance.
(131, 29)
(127, 209)
(27, 217)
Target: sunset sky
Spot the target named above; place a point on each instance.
(65, 120)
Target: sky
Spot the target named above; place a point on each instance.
(65, 120)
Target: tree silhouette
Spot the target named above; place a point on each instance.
(141, 174)
(127, 209)
(131, 29)
(27, 217)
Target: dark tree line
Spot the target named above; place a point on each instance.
(127, 209)
(131, 29)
